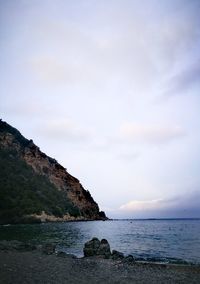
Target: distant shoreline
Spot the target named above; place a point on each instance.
(111, 219)
(151, 219)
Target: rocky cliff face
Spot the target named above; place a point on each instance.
(48, 168)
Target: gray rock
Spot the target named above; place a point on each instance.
(104, 249)
(95, 247)
(39, 247)
(61, 254)
(129, 259)
(91, 247)
(117, 255)
(48, 248)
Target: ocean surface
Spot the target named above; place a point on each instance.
(174, 240)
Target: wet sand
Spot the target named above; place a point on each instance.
(20, 267)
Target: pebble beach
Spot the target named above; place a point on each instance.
(36, 266)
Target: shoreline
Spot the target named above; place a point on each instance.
(21, 246)
(44, 218)
(24, 263)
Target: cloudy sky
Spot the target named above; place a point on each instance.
(110, 89)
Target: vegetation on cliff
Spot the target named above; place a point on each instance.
(26, 189)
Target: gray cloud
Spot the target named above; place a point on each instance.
(183, 81)
(186, 205)
(115, 58)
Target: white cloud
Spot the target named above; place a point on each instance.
(140, 205)
(150, 134)
(185, 80)
(187, 201)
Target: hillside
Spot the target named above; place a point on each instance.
(35, 187)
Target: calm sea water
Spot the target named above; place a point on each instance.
(153, 240)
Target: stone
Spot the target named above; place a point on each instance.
(129, 259)
(117, 255)
(61, 254)
(48, 248)
(39, 247)
(95, 247)
(91, 247)
(104, 249)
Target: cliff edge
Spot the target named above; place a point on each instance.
(35, 187)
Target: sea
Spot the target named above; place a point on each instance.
(156, 240)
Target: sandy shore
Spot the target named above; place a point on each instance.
(22, 267)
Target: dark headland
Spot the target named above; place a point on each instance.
(35, 187)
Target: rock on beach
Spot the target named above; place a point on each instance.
(95, 247)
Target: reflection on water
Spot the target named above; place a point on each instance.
(179, 239)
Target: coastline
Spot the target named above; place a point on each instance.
(28, 264)
(46, 218)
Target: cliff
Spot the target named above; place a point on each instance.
(35, 187)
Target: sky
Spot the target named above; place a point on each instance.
(111, 90)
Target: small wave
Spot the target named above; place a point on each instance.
(164, 260)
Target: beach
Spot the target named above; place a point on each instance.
(34, 266)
